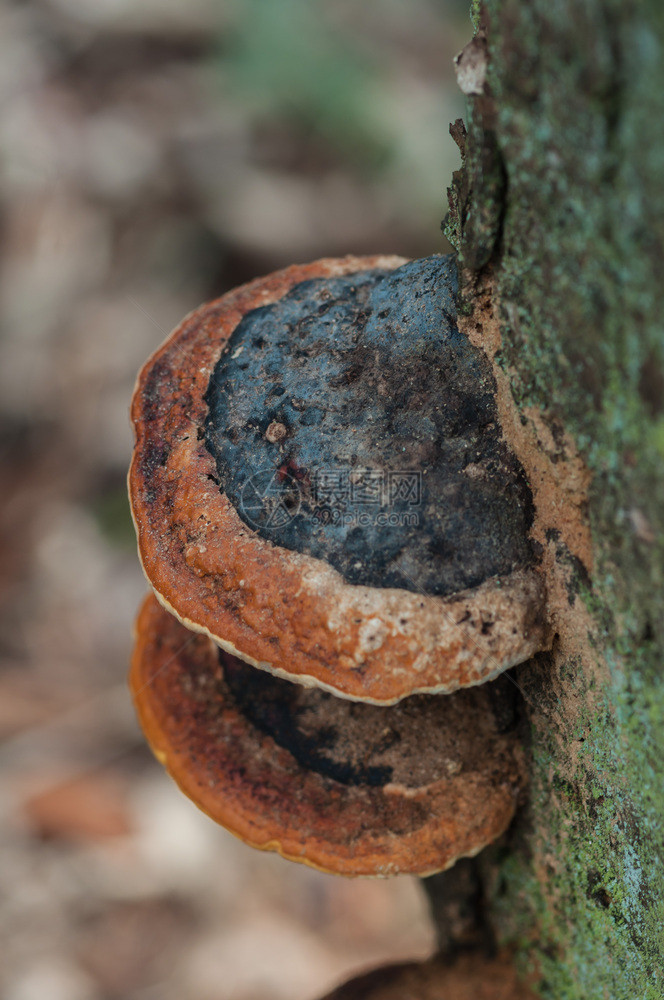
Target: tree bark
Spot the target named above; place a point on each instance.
(557, 215)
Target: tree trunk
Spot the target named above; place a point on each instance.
(558, 218)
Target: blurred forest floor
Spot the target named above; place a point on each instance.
(155, 153)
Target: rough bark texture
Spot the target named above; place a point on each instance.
(561, 201)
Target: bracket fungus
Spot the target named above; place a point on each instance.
(320, 484)
(345, 787)
(472, 976)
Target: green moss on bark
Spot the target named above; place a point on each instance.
(579, 102)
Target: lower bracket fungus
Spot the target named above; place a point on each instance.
(345, 787)
(321, 484)
(470, 977)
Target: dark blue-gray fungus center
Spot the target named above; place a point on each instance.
(352, 421)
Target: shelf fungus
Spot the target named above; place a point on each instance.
(321, 485)
(470, 977)
(343, 786)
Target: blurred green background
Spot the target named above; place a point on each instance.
(155, 153)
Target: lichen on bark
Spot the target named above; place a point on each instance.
(577, 91)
